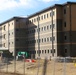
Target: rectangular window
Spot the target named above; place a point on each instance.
(47, 27)
(54, 50)
(64, 11)
(42, 51)
(50, 26)
(4, 28)
(50, 38)
(48, 51)
(45, 51)
(44, 16)
(42, 40)
(50, 14)
(44, 28)
(4, 36)
(47, 15)
(4, 44)
(34, 20)
(65, 50)
(53, 13)
(45, 39)
(39, 18)
(64, 24)
(65, 37)
(51, 51)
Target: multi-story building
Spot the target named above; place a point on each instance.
(13, 34)
(51, 32)
(47, 33)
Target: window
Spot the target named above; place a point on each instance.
(44, 16)
(48, 51)
(53, 38)
(54, 50)
(42, 40)
(4, 27)
(64, 11)
(65, 37)
(9, 24)
(4, 44)
(65, 50)
(34, 20)
(45, 39)
(50, 38)
(47, 27)
(50, 26)
(42, 51)
(9, 33)
(12, 42)
(47, 15)
(45, 51)
(42, 28)
(39, 18)
(50, 14)
(12, 32)
(53, 13)
(53, 25)
(51, 51)
(39, 40)
(4, 36)
(64, 24)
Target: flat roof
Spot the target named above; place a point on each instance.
(12, 19)
(3, 48)
(50, 8)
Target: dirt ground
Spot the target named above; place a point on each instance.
(42, 67)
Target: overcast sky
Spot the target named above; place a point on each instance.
(11, 8)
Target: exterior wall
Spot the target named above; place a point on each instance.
(20, 35)
(13, 35)
(8, 35)
(45, 33)
(0, 36)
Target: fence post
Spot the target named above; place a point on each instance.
(24, 64)
(64, 66)
(54, 67)
(6, 60)
(14, 65)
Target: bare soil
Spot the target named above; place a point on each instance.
(40, 67)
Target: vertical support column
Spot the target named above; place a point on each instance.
(52, 35)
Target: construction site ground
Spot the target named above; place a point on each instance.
(40, 67)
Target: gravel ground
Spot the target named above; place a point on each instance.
(45, 68)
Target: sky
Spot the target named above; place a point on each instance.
(23, 8)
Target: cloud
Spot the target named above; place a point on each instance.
(46, 1)
(10, 4)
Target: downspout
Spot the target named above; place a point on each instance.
(70, 32)
(52, 37)
(38, 39)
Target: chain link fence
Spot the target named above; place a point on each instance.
(56, 66)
